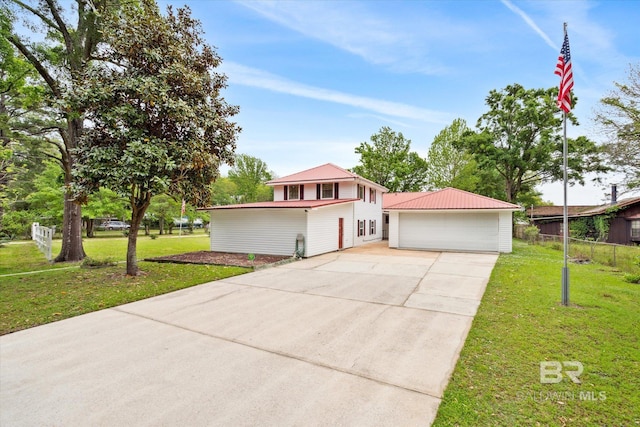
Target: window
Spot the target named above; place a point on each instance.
(327, 191)
(360, 228)
(361, 193)
(635, 229)
(372, 227)
(372, 195)
(294, 192)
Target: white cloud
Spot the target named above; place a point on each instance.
(400, 45)
(530, 23)
(247, 76)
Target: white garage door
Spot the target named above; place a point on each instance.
(449, 231)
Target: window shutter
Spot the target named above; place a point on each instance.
(286, 192)
(335, 191)
(317, 191)
(301, 191)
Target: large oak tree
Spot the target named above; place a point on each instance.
(60, 60)
(159, 122)
(520, 137)
(389, 161)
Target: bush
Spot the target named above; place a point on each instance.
(98, 263)
(531, 234)
(153, 236)
(632, 278)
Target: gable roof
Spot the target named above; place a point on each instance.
(546, 211)
(286, 204)
(451, 199)
(390, 199)
(556, 212)
(324, 173)
(621, 204)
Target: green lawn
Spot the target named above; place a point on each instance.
(35, 299)
(520, 323)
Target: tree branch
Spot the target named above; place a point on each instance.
(51, 82)
(44, 19)
(62, 26)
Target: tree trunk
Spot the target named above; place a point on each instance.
(90, 228)
(72, 249)
(137, 214)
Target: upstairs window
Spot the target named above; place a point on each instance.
(327, 191)
(372, 195)
(361, 192)
(294, 192)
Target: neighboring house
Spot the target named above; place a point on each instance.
(624, 226)
(448, 219)
(315, 211)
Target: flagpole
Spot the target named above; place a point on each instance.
(565, 210)
(565, 217)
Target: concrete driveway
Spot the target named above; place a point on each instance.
(368, 336)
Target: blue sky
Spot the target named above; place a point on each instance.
(315, 79)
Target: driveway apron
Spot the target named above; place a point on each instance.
(366, 336)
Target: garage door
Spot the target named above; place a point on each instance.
(449, 231)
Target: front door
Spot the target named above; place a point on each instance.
(340, 232)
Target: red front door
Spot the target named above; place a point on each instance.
(340, 232)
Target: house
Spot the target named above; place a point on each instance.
(623, 216)
(448, 219)
(319, 210)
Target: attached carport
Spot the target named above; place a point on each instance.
(451, 220)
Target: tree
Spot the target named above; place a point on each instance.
(22, 157)
(520, 138)
(448, 166)
(164, 208)
(105, 203)
(250, 174)
(388, 161)
(619, 116)
(223, 192)
(61, 64)
(159, 123)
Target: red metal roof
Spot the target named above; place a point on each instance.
(390, 199)
(286, 204)
(450, 199)
(324, 173)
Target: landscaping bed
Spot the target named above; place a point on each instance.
(220, 258)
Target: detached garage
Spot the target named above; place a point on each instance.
(450, 220)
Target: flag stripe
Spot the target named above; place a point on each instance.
(565, 71)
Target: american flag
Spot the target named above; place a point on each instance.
(563, 69)
(184, 205)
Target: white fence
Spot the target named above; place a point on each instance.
(43, 237)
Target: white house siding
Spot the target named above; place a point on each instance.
(368, 211)
(258, 231)
(394, 229)
(505, 232)
(322, 228)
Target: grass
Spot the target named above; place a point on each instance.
(35, 299)
(625, 258)
(520, 323)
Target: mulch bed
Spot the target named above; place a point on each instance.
(219, 258)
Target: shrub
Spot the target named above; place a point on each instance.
(98, 263)
(632, 278)
(531, 233)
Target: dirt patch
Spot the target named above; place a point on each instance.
(220, 258)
